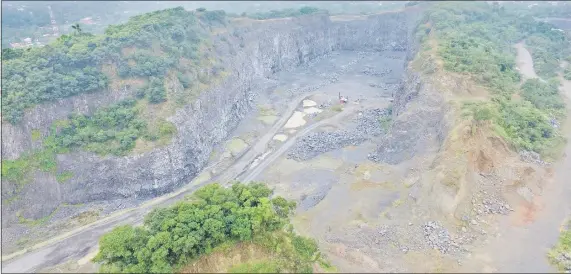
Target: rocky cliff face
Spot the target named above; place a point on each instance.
(267, 47)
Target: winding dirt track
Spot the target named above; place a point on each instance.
(79, 242)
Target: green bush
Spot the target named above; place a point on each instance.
(110, 130)
(184, 80)
(543, 96)
(567, 74)
(64, 176)
(156, 92)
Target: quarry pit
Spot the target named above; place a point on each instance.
(363, 171)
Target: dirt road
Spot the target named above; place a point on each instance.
(251, 174)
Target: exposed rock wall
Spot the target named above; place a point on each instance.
(268, 47)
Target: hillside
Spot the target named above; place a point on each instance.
(433, 138)
(129, 79)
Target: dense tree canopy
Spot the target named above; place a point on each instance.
(174, 236)
(72, 65)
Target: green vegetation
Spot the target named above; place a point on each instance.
(156, 92)
(476, 38)
(64, 176)
(19, 170)
(544, 96)
(214, 216)
(567, 74)
(547, 47)
(385, 121)
(259, 267)
(286, 13)
(36, 134)
(146, 47)
(31, 222)
(559, 254)
(110, 130)
(337, 108)
(73, 64)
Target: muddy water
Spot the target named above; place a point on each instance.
(523, 248)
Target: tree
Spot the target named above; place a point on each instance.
(156, 92)
(214, 215)
(77, 29)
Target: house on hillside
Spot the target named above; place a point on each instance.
(87, 21)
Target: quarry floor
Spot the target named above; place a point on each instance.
(280, 111)
(360, 211)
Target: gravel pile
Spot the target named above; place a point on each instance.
(438, 237)
(491, 203)
(367, 125)
(368, 122)
(372, 72)
(367, 238)
(564, 260)
(531, 157)
(317, 143)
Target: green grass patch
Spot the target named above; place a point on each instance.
(520, 124)
(385, 121)
(326, 266)
(36, 135)
(19, 170)
(64, 176)
(256, 267)
(31, 222)
(337, 108)
(286, 13)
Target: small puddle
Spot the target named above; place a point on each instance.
(268, 119)
(280, 137)
(309, 103)
(312, 110)
(235, 146)
(296, 120)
